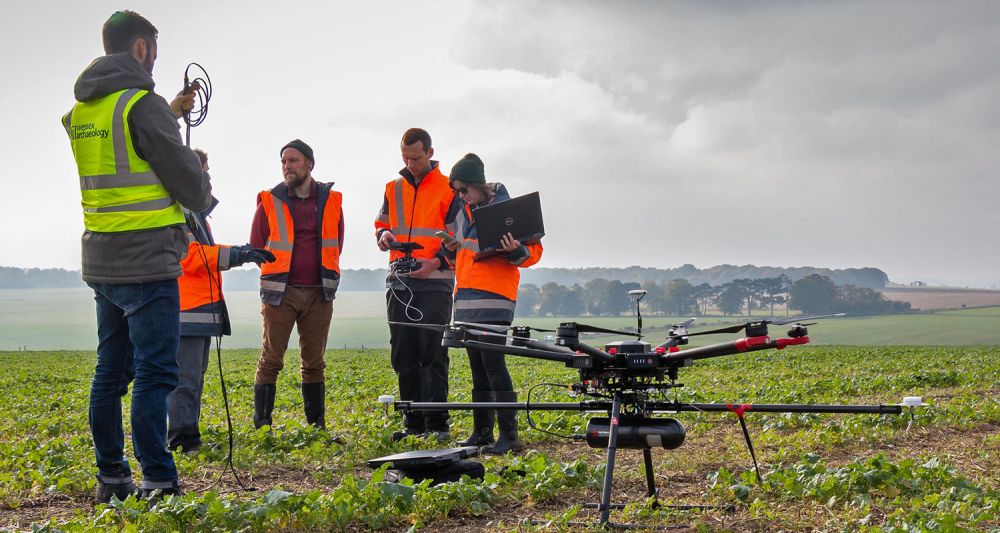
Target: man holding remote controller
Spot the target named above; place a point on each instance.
(421, 280)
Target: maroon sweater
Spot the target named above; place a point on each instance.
(304, 270)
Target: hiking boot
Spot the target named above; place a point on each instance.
(441, 436)
(158, 493)
(401, 434)
(120, 490)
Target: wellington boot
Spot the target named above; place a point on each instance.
(314, 403)
(263, 404)
(482, 422)
(507, 423)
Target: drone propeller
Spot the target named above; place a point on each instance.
(783, 321)
(779, 322)
(433, 327)
(680, 330)
(499, 328)
(585, 328)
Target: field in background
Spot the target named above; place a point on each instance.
(63, 319)
(929, 298)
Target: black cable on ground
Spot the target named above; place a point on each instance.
(201, 86)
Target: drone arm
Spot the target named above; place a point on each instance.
(598, 355)
(747, 344)
(534, 353)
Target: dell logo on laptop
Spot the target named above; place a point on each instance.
(509, 221)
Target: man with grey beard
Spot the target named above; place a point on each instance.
(301, 222)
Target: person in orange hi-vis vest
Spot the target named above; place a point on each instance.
(417, 205)
(300, 221)
(203, 316)
(486, 292)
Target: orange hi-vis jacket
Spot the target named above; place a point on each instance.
(486, 289)
(414, 214)
(281, 240)
(203, 309)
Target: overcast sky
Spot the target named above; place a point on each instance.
(786, 133)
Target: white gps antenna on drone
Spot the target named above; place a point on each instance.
(637, 294)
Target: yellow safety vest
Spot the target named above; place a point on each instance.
(119, 190)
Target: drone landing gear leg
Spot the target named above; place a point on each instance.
(609, 472)
(647, 463)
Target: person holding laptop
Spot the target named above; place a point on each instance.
(486, 292)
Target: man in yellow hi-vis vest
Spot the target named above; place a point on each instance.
(135, 174)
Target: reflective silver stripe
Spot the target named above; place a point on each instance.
(399, 231)
(148, 205)
(485, 304)
(283, 246)
(113, 181)
(330, 243)
(382, 217)
(224, 253)
(201, 318)
(279, 213)
(118, 132)
(330, 283)
(400, 208)
(450, 227)
(272, 285)
(471, 244)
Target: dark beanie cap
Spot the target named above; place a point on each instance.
(302, 147)
(469, 169)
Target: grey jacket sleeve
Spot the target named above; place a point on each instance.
(156, 138)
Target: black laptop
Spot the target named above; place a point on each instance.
(521, 216)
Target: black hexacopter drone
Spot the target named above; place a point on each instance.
(626, 380)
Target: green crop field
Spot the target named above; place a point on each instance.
(938, 470)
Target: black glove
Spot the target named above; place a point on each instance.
(247, 254)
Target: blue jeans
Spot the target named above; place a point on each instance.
(138, 327)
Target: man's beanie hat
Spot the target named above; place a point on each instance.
(469, 169)
(302, 147)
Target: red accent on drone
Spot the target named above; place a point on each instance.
(660, 350)
(613, 351)
(749, 342)
(792, 342)
(675, 349)
(739, 409)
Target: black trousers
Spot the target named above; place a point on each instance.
(489, 369)
(420, 362)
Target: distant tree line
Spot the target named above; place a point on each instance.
(813, 294)
(374, 279)
(872, 278)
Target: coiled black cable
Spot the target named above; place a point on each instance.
(201, 87)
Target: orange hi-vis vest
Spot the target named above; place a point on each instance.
(203, 310)
(416, 213)
(486, 289)
(281, 240)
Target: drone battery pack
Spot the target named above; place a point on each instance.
(636, 433)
